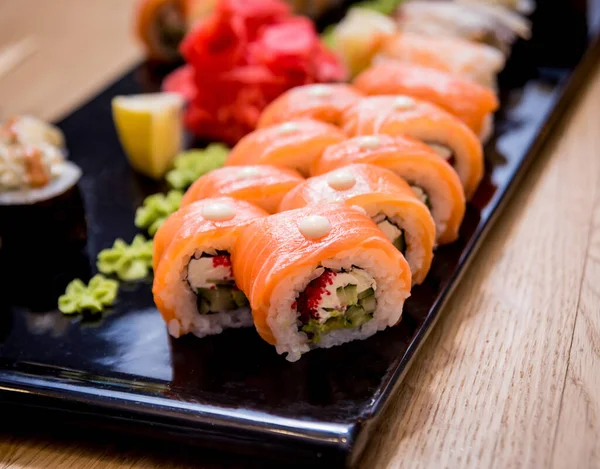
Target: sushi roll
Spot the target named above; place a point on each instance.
(493, 25)
(194, 287)
(322, 102)
(470, 102)
(33, 167)
(431, 177)
(294, 144)
(386, 198)
(317, 277)
(477, 62)
(403, 115)
(262, 185)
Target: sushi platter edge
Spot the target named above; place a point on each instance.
(109, 402)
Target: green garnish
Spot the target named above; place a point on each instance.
(155, 210)
(93, 298)
(328, 36)
(128, 262)
(385, 7)
(192, 164)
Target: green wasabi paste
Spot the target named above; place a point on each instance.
(128, 262)
(93, 298)
(155, 210)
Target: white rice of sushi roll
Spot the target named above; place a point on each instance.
(389, 295)
(190, 273)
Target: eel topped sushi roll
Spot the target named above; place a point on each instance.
(431, 177)
(322, 102)
(262, 185)
(478, 62)
(470, 102)
(317, 277)
(403, 115)
(386, 198)
(294, 144)
(194, 286)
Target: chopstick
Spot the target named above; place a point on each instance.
(15, 53)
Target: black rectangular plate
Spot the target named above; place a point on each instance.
(233, 391)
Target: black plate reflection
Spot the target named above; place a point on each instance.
(233, 391)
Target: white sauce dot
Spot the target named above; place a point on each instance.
(218, 211)
(288, 128)
(320, 91)
(248, 172)
(403, 102)
(369, 142)
(174, 328)
(341, 180)
(314, 226)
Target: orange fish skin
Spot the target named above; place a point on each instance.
(401, 154)
(273, 248)
(322, 102)
(374, 187)
(463, 98)
(293, 144)
(262, 185)
(421, 120)
(186, 226)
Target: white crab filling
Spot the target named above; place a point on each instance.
(390, 230)
(203, 273)
(330, 300)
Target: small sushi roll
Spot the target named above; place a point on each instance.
(432, 179)
(30, 174)
(470, 102)
(317, 277)
(294, 144)
(386, 198)
(403, 115)
(322, 102)
(194, 287)
(262, 185)
(477, 62)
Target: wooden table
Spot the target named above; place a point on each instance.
(510, 377)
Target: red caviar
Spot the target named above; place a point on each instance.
(310, 299)
(222, 260)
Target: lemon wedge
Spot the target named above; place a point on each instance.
(150, 130)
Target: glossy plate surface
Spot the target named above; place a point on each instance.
(233, 391)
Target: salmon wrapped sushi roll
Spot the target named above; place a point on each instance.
(317, 277)
(262, 185)
(471, 103)
(194, 287)
(386, 198)
(431, 177)
(403, 115)
(322, 102)
(478, 62)
(293, 144)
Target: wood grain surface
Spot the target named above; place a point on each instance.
(510, 376)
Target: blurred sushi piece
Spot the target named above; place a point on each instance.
(470, 102)
(522, 6)
(481, 22)
(161, 25)
(359, 36)
(478, 62)
(33, 167)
